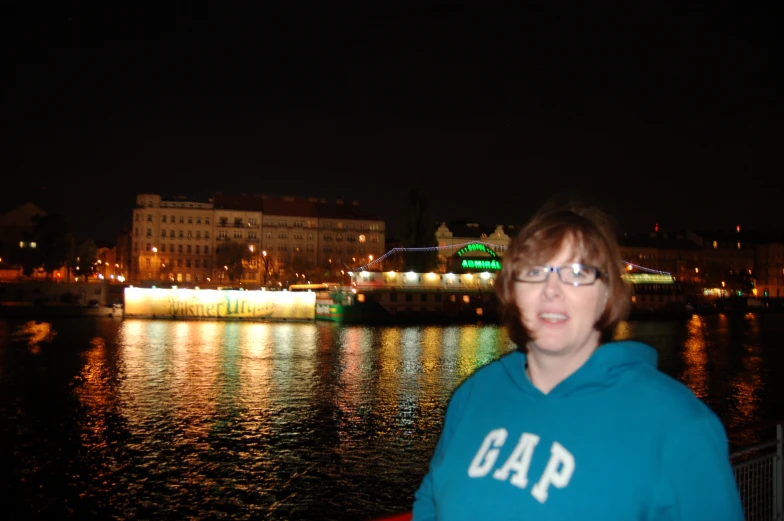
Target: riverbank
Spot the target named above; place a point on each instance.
(29, 310)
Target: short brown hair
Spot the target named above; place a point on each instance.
(593, 234)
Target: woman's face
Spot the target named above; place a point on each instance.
(560, 317)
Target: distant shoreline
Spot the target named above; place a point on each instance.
(28, 310)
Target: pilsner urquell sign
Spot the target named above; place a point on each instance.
(220, 304)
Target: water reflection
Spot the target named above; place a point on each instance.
(93, 390)
(254, 393)
(430, 360)
(723, 359)
(353, 378)
(391, 354)
(695, 358)
(34, 333)
(748, 385)
(390, 363)
(281, 421)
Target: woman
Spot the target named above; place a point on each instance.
(571, 426)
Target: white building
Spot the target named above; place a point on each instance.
(179, 241)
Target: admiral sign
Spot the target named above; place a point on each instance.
(477, 263)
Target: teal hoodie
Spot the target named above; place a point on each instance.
(617, 440)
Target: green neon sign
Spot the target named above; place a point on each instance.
(475, 247)
(476, 264)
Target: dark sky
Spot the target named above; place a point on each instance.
(661, 113)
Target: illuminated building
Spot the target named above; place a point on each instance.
(172, 240)
(489, 245)
(178, 241)
(770, 267)
(674, 253)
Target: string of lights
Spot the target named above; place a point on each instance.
(647, 270)
(364, 267)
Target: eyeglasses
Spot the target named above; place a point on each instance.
(573, 274)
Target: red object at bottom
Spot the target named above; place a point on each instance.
(397, 517)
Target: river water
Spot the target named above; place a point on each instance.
(104, 418)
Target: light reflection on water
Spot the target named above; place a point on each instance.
(695, 357)
(34, 333)
(171, 420)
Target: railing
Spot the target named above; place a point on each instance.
(758, 473)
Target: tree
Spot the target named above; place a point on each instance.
(29, 258)
(396, 261)
(301, 266)
(416, 229)
(266, 265)
(233, 256)
(54, 241)
(85, 258)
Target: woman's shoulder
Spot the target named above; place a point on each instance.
(490, 375)
(501, 365)
(666, 393)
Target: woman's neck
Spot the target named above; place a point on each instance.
(547, 370)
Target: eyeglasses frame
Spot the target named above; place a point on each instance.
(557, 269)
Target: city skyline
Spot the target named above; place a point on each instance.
(659, 114)
(751, 234)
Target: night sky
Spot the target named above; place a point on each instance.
(659, 113)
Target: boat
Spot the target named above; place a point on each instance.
(375, 297)
(657, 295)
(398, 297)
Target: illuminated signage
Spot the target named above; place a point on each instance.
(648, 278)
(481, 264)
(474, 248)
(220, 304)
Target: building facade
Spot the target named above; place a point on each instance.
(711, 264)
(451, 239)
(769, 264)
(172, 240)
(281, 240)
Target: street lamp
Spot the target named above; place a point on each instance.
(155, 263)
